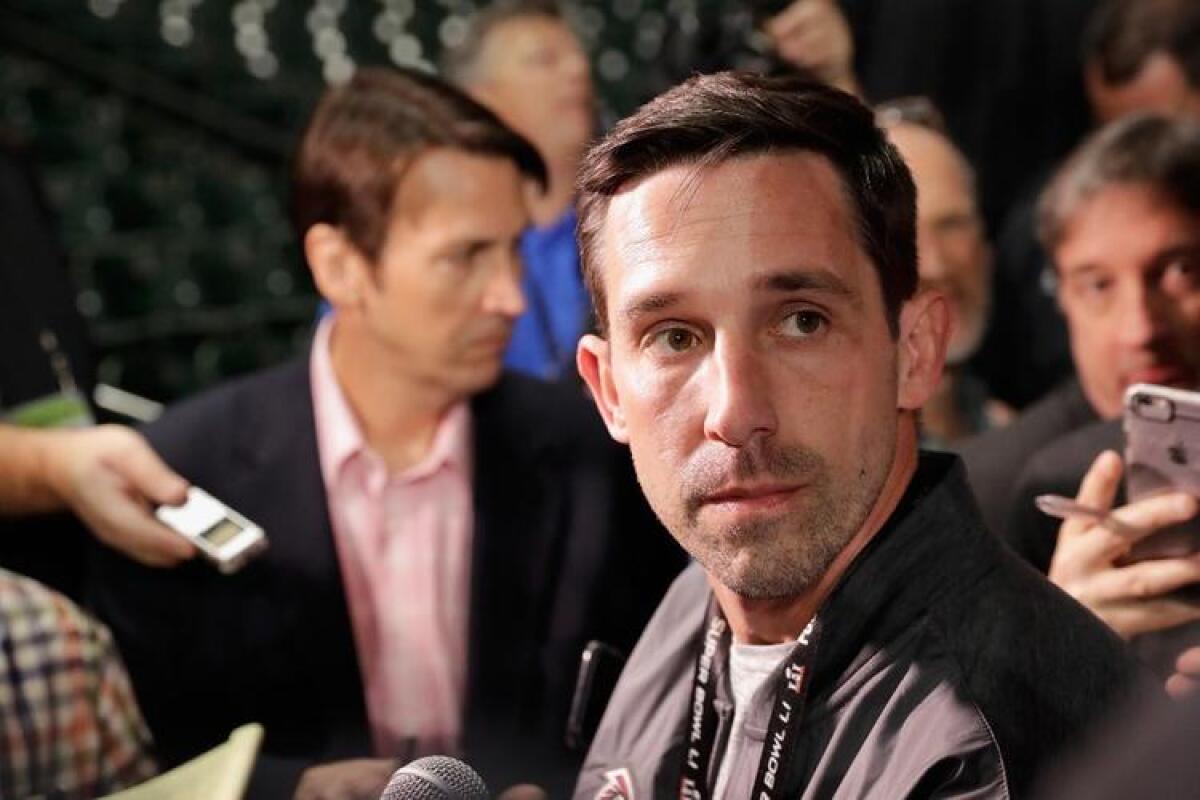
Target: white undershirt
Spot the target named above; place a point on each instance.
(750, 667)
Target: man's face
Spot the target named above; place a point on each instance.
(442, 296)
(954, 257)
(533, 74)
(750, 366)
(1160, 86)
(1129, 286)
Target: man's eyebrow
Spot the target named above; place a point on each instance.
(649, 304)
(1080, 269)
(797, 280)
(1182, 248)
(793, 280)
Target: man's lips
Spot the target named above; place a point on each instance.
(1162, 374)
(760, 496)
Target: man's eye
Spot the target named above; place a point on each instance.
(801, 324)
(1183, 273)
(459, 259)
(675, 340)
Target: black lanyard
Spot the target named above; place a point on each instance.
(791, 690)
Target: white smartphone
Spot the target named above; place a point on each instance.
(222, 535)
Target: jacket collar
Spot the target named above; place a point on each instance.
(927, 550)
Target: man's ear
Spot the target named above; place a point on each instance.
(921, 350)
(338, 269)
(593, 359)
(1059, 292)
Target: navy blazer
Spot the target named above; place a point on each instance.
(564, 550)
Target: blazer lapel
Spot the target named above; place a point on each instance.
(518, 509)
(278, 451)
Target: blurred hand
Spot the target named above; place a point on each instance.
(111, 478)
(1187, 674)
(815, 35)
(523, 791)
(357, 779)
(1131, 599)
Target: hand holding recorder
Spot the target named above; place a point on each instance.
(107, 475)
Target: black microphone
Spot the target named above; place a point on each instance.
(435, 778)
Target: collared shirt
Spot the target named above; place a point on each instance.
(69, 724)
(544, 337)
(404, 546)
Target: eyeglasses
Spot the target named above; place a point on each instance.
(915, 110)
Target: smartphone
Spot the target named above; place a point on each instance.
(599, 667)
(222, 535)
(1162, 453)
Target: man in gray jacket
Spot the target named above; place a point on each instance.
(849, 628)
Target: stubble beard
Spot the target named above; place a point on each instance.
(780, 555)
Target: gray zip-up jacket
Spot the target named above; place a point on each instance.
(947, 668)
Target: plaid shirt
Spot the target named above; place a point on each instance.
(69, 724)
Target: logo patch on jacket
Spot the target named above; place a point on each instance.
(618, 785)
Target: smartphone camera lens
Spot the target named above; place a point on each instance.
(1151, 407)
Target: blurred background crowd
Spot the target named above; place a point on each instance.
(162, 134)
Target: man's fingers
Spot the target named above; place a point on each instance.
(147, 473)
(1099, 486)
(146, 540)
(1146, 517)
(1146, 580)
(123, 522)
(1079, 556)
(1098, 489)
(357, 779)
(524, 791)
(1134, 619)
(1188, 662)
(1181, 686)
(1187, 672)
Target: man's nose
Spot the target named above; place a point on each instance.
(740, 403)
(576, 66)
(1142, 317)
(503, 294)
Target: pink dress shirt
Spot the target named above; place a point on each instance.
(404, 546)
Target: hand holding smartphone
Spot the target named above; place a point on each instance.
(1162, 453)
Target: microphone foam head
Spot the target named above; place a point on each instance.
(435, 778)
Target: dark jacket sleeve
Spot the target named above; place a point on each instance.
(996, 458)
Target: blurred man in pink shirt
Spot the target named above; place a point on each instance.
(444, 538)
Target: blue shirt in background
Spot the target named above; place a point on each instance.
(544, 337)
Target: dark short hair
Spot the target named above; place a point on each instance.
(1151, 150)
(1122, 34)
(458, 63)
(364, 134)
(711, 119)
